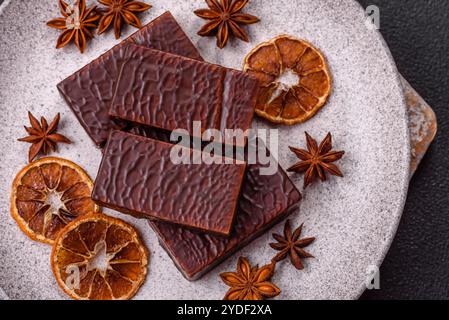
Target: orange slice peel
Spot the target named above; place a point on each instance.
(97, 257)
(47, 195)
(295, 79)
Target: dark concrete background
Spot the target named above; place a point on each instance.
(417, 265)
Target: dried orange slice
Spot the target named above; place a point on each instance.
(48, 194)
(295, 79)
(97, 257)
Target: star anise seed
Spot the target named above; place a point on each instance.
(317, 161)
(119, 11)
(76, 22)
(250, 283)
(225, 17)
(43, 136)
(291, 245)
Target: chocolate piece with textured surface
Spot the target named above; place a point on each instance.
(137, 176)
(165, 34)
(264, 201)
(167, 91)
(89, 91)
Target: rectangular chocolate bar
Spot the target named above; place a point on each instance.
(167, 91)
(89, 91)
(264, 201)
(138, 176)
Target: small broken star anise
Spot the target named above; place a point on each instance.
(291, 245)
(119, 11)
(250, 283)
(317, 161)
(225, 18)
(76, 22)
(43, 136)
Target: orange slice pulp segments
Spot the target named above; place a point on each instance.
(309, 81)
(97, 257)
(48, 194)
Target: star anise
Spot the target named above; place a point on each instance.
(119, 11)
(225, 17)
(317, 161)
(250, 283)
(76, 22)
(291, 245)
(43, 136)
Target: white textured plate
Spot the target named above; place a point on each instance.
(354, 218)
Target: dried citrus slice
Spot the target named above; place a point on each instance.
(48, 194)
(295, 79)
(97, 257)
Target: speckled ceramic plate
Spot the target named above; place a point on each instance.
(354, 218)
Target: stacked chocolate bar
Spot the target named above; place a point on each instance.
(130, 99)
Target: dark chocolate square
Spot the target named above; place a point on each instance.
(89, 91)
(264, 201)
(168, 91)
(138, 176)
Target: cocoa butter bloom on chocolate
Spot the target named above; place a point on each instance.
(250, 283)
(317, 160)
(225, 19)
(76, 24)
(291, 245)
(119, 12)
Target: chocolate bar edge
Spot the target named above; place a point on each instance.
(133, 37)
(114, 114)
(129, 39)
(200, 273)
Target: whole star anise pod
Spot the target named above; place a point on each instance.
(317, 161)
(119, 11)
(76, 22)
(43, 136)
(225, 18)
(291, 245)
(250, 283)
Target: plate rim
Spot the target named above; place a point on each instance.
(406, 174)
